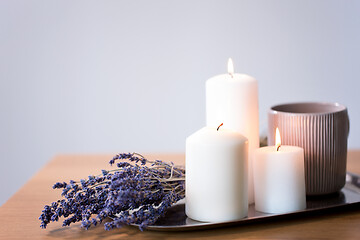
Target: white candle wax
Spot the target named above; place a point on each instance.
(216, 175)
(279, 179)
(233, 99)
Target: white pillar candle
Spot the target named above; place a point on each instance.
(233, 99)
(279, 178)
(216, 175)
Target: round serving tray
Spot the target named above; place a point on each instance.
(176, 220)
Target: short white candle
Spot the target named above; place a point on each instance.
(216, 175)
(233, 99)
(279, 179)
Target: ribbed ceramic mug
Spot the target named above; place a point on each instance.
(322, 130)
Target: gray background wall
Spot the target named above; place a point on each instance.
(113, 76)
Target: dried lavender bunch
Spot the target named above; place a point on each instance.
(138, 192)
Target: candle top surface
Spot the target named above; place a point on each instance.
(220, 137)
(235, 77)
(282, 149)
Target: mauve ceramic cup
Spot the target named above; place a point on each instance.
(322, 130)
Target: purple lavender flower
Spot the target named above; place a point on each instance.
(131, 194)
(59, 185)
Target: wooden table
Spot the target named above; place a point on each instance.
(19, 215)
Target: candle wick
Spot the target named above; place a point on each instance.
(219, 126)
(277, 149)
(231, 75)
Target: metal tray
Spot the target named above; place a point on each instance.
(176, 220)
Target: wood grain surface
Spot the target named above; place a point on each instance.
(19, 215)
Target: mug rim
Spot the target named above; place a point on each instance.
(337, 108)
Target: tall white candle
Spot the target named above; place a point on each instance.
(216, 175)
(279, 178)
(233, 99)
